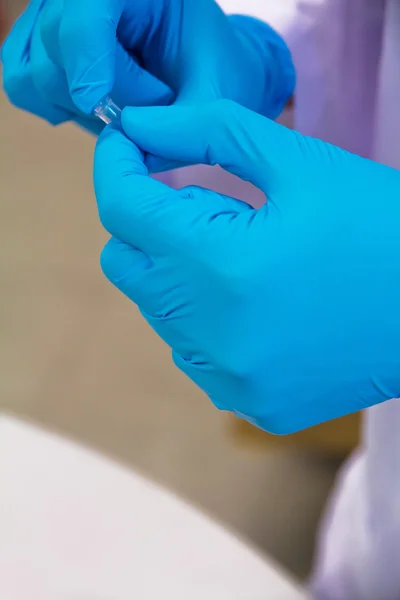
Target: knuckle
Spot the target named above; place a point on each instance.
(107, 214)
(22, 91)
(108, 258)
(216, 121)
(12, 83)
(219, 125)
(13, 76)
(111, 210)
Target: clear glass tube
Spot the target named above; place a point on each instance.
(107, 111)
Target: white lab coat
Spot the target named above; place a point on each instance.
(347, 57)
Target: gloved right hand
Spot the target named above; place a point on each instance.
(63, 56)
(287, 316)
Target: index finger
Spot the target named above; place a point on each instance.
(135, 208)
(88, 41)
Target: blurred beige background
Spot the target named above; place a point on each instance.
(76, 356)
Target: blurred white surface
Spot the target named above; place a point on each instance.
(76, 526)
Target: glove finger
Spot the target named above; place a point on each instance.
(49, 78)
(133, 86)
(89, 35)
(51, 82)
(132, 206)
(88, 44)
(126, 268)
(149, 285)
(17, 76)
(241, 141)
(137, 276)
(148, 214)
(49, 25)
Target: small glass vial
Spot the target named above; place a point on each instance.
(107, 111)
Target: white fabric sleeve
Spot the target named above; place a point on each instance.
(299, 24)
(359, 543)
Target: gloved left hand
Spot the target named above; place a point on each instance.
(287, 316)
(34, 73)
(63, 56)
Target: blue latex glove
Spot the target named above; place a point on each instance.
(63, 56)
(287, 316)
(34, 75)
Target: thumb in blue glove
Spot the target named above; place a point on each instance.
(287, 316)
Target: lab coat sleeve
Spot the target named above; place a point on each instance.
(359, 542)
(335, 47)
(301, 24)
(358, 554)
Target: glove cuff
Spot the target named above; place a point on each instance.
(280, 79)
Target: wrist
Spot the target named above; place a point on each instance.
(263, 44)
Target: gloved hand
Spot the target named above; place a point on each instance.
(288, 316)
(34, 76)
(63, 56)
